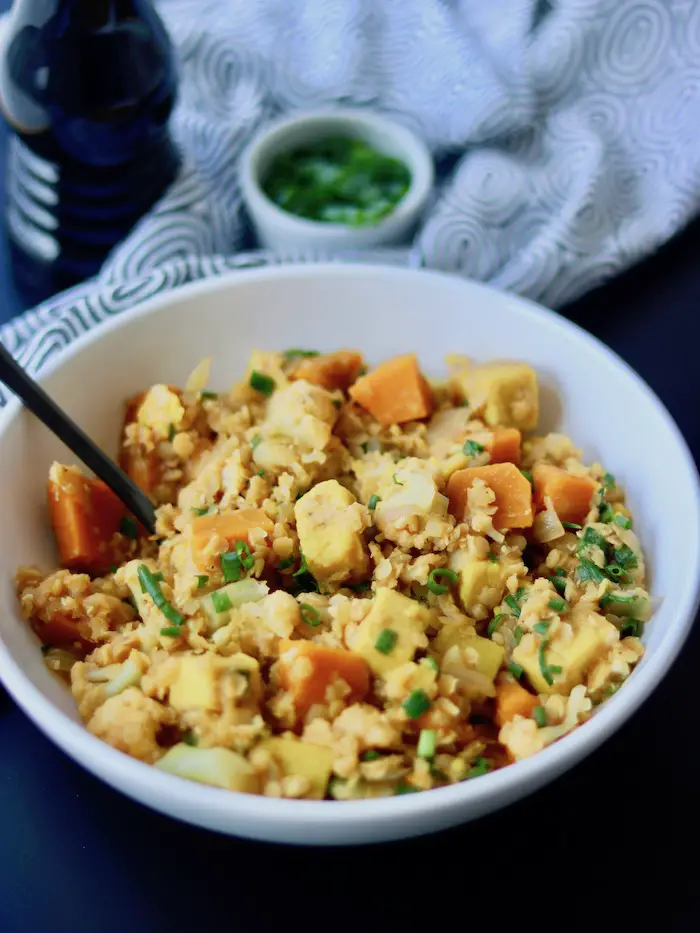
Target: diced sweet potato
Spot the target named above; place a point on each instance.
(571, 495)
(229, 526)
(331, 370)
(512, 489)
(394, 392)
(307, 669)
(62, 630)
(512, 700)
(505, 446)
(85, 515)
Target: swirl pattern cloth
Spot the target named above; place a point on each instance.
(565, 133)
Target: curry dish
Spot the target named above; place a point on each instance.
(362, 583)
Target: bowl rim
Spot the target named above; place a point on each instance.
(416, 155)
(126, 773)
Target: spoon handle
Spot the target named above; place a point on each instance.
(46, 410)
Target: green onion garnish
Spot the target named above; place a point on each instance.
(441, 573)
(254, 441)
(285, 563)
(172, 630)
(495, 622)
(370, 755)
(591, 538)
(360, 587)
(608, 481)
(189, 738)
(113, 568)
(299, 354)
(202, 580)
(373, 500)
(605, 513)
(492, 557)
(572, 526)
(472, 448)
(128, 527)
(558, 605)
(310, 615)
(512, 603)
(555, 668)
(528, 476)
(516, 670)
(203, 510)
(615, 598)
(559, 584)
(386, 641)
(262, 383)
(260, 473)
(152, 587)
(623, 521)
(221, 601)
(625, 557)
(631, 628)
(171, 432)
(541, 628)
(231, 567)
(540, 716)
(481, 766)
(587, 570)
(616, 573)
(427, 743)
(337, 403)
(546, 673)
(244, 554)
(403, 787)
(417, 703)
(205, 393)
(518, 634)
(395, 480)
(432, 663)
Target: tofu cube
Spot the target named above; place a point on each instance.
(314, 762)
(490, 655)
(505, 393)
(330, 533)
(194, 686)
(405, 618)
(481, 581)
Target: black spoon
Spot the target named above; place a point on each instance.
(56, 420)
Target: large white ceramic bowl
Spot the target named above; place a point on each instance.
(588, 392)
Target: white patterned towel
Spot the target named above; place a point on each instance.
(566, 134)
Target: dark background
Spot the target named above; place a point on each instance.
(75, 856)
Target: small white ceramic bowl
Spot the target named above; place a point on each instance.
(280, 230)
(383, 311)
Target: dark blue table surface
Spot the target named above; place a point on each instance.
(76, 856)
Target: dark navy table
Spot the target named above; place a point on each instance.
(76, 857)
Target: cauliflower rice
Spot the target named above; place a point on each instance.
(361, 585)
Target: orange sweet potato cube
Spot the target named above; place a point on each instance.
(513, 494)
(307, 670)
(571, 495)
(394, 392)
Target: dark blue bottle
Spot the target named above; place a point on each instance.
(88, 87)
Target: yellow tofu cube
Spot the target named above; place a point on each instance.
(314, 762)
(194, 686)
(592, 638)
(481, 580)
(506, 393)
(330, 533)
(405, 618)
(490, 655)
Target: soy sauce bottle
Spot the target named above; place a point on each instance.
(88, 87)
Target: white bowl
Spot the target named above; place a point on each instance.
(280, 230)
(587, 392)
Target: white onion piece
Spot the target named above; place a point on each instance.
(547, 526)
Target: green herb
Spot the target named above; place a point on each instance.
(615, 599)
(254, 441)
(631, 628)
(158, 576)
(113, 568)
(285, 563)
(386, 641)
(572, 526)
(373, 500)
(417, 703)
(546, 671)
(591, 538)
(608, 481)
(260, 473)
(310, 615)
(206, 394)
(189, 738)
(541, 628)
(306, 582)
(299, 354)
(262, 383)
(492, 557)
(172, 630)
(152, 587)
(616, 573)
(403, 787)
(221, 601)
(625, 557)
(244, 555)
(370, 755)
(472, 448)
(365, 447)
(559, 572)
(495, 622)
(516, 670)
(555, 669)
(605, 513)
(559, 584)
(541, 717)
(395, 480)
(481, 766)
(465, 402)
(204, 510)
(441, 573)
(528, 476)
(202, 580)
(171, 432)
(558, 605)
(623, 521)
(427, 743)
(231, 567)
(587, 570)
(518, 634)
(512, 604)
(432, 663)
(128, 527)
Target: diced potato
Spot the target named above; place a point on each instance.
(314, 762)
(593, 635)
(404, 617)
(505, 393)
(395, 391)
(218, 607)
(219, 767)
(490, 655)
(329, 535)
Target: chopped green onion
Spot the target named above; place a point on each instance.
(152, 587)
(204, 510)
(370, 755)
(244, 555)
(472, 448)
(616, 573)
(231, 567)
(631, 628)
(254, 441)
(310, 615)
(615, 598)
(625, 557)
(365, 447)
(172, 630)
(541, 717)
(360, 587)
(559, 572)
(555, 668)
(386, 641)
(495, 622)
(559, 584)
(518, 634)
(516, 670)
(206, 394)
(128, 527)
(492, 557)
(403, 787)
(221, 601)
(465, 402)
(189, 738)
(512, 603)
(395, 480)
(113, 568)
(417, 703)
(260, 473)
(572, 526)
(441, 573)
(302, 568)
(262, 383)
(541, 628)
(558, 605)
(546, 673)
(427, 743)
(299, 354)
(481, 766)
(306, 581)
(373, 500)
(158, 576)
(432, 663)
(591, 538)
(337, 403)
(608, 481)
(587, 570)
(605, 513)
(171, 432)
(528, 476)
(202, 580)
(285, 563)
(623, 521)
